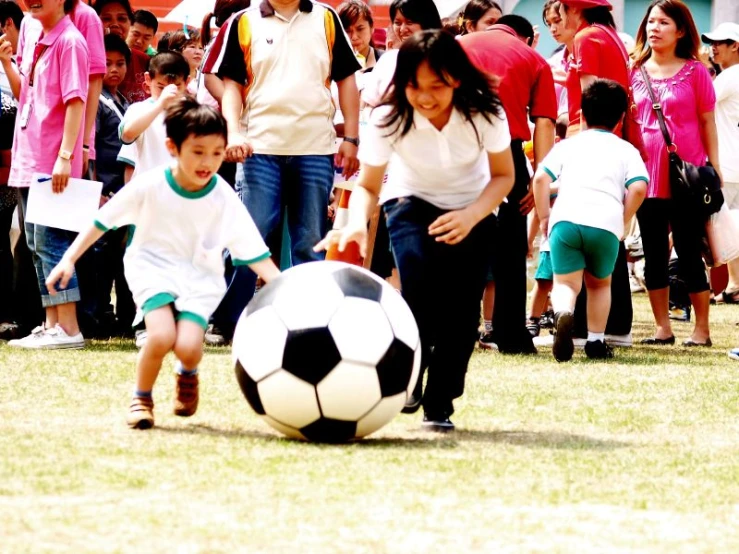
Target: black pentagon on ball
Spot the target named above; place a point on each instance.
(395, 368)
(310, 354)
(358, 284)
(330, 430)
(249, 388)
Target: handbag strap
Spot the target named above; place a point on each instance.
(657, 107)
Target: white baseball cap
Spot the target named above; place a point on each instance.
(725, 31)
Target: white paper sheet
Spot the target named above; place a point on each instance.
(72, 210)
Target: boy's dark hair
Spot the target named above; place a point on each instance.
(187, 117)
(163, 43)
(69, 5)
(520, 25)
(125, 4)
(146, 18)
(446, 58)
(423, 12)
(114, 43)
(9, 9)
(171, 64)
(604, 103)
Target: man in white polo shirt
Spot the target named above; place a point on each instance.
(278, 61)
(724, 41)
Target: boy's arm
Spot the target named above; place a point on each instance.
(635, 194)
(64, 270)
(133, 126)
(542, 182)
(266, 269)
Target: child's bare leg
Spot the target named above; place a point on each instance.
(599, 303)
(565, 290)
(66, 316)
(488, 301)
(542, 288)
(161, 331)
(189, 351)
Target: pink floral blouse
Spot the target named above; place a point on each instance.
(684, 97)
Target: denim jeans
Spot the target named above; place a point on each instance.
(47, 246)
(266, 184)
(442, 285)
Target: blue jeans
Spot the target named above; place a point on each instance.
(442, 285)
(47, 246)
(266, 184)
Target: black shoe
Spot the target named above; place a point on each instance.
(563, 347)
(532, 326)
(546, 321)
(654, 341)
(438, 423)
(10, 331)
(598, 350)
(412, 404)
(487, 341)
(218, 336)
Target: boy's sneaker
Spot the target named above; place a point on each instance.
(141, 336)
(563, 347)
(598, 350)
(141, 413)
(438, 423)
(186, 395)
(215, 336)
(49, 339)
(486, 341)
(546, 321)
(679, 313)
(734, 354)
(532, 326)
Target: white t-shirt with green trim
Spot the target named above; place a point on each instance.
(179, 238)
(594, 168)
(149, 150)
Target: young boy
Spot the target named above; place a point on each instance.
(142, 129)
(602, 182)
(185, 216)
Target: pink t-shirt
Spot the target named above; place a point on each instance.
(684, 98)
(61, 75)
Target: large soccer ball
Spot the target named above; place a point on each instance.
(327, 352)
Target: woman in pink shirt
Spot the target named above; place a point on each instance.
(48, 140)
(667, 46)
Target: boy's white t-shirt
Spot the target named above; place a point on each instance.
(727, 122)
(447, 168)
(179, 238)
(593, 169)
(149, 150)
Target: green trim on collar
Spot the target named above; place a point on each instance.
(192, 195)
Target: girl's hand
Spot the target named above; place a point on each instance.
(342, 237)
(60, 175)
(453, 227)
(61, 274)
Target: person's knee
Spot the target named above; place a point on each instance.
(189, 352)
(160, 340)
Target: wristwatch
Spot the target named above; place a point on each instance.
(65, 155)
(352, 140)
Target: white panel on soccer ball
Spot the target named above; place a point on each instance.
(289, 399)
(400, 316)
(259, 343)
(284, 429)
(349, 391)
(308, 302)
(381, 414)
(361, 330)
(416, 369)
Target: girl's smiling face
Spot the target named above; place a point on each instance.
(430, 95)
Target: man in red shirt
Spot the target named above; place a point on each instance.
(526, 89)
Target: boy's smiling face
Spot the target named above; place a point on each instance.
(198, 159)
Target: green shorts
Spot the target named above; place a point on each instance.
(163, 299)
(575, 247)
(544, 269)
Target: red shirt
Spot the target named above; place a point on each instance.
(594, 52)
(133, 86)
(526, 88)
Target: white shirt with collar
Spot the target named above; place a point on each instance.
(447, 168)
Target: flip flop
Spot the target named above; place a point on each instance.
(728, 297)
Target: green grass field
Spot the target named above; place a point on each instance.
(641, 454)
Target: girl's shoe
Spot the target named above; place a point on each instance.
(141, 413)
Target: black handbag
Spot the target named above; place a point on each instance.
(700, 186)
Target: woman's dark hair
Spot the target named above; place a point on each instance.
(9, 9)
(187, 117)
(69, 5)
(352, 11)
(221, 11)
(475, 10)
(163, 42)
(550, 4)
(423, 12)
(449, 61)
(521, 26)
(114, 43)
(600, 15)
(125, 4)
(688, 46)
(179, 40)
(604, 103)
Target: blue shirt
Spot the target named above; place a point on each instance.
(107, 143)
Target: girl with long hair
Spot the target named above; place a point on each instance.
(452, 167)
(478, 15)
(667, 46)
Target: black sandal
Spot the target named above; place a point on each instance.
(691, 343)
(654, 341)
(727, 297)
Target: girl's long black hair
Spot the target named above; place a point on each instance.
(449, 61)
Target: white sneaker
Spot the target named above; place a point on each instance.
(49, 339)
(620, 340)
(141, 336)
(544, 340)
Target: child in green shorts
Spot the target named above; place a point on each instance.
(602, 182)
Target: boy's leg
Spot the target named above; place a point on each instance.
(160, 326)
(188, 348)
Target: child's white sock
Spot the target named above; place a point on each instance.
(596, 336)
(488, 325)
